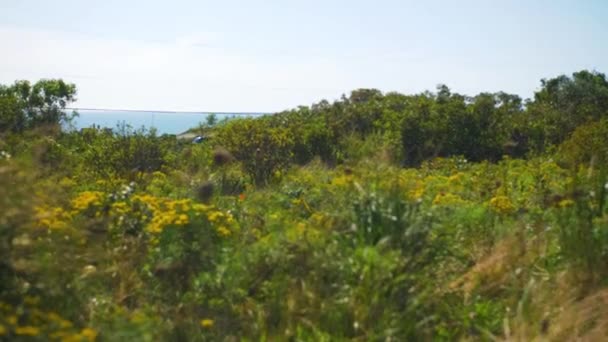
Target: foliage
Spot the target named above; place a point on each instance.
(306, 225)
(261, 147)
(24, 105)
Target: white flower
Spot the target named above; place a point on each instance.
(5, 155)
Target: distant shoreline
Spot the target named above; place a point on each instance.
(166, 111)
(165, 122)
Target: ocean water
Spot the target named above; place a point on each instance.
(164, 122)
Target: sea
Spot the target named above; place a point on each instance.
(163, 122)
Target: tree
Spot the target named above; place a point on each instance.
(24, 106)
(564, 103)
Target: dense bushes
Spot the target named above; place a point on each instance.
(428, 125)
(124, 152)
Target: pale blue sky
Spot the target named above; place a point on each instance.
(273, 55)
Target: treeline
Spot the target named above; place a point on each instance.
(406, 129)
(415, 128)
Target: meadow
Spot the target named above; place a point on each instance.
(392, 217)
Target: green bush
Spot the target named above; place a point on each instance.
(262, 149)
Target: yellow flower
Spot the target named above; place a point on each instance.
(223, 231)
(207, 323)
(2, 330)
(447, 199)
(89, 334)
(86, 199)
(120, 208)
(214, 216)
(502, 204)
(342, 180)
(566, 203)
(182, 219)
(27, 330)
(65, 324)
(417, 192)
(455, 178)
(52, 218)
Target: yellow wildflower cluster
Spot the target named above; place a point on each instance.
(168, 212)
(342, 181)
(321, 221)
(52, 218)
(27, 330)
(221, 221)
(207, 323)
(302, 231)
(456, 178)
(417, 192)
(39, 324)
(447, 199)
(120, 208)
(501, 204)
(85, 200)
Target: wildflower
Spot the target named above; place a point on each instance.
(207, 323)
(88, 270)
(89, 334)
(23, 240)
(182, 219)
(214, 216)
(447, 199)
(455, 178)
(27, 330)
(241, 197)
(120, 208)
(342, 180)
(223, 231)
(417, 192)
(502, 204)
(52, 218)
(5, 155)
(86, 199)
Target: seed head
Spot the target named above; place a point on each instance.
(221, 157)
(205, 192)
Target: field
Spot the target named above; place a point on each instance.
(377, 217)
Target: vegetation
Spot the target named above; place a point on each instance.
(434, 216)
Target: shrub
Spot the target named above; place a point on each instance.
(261, 148)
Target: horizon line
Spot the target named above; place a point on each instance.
(167, 111)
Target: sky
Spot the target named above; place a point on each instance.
(267, 56)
